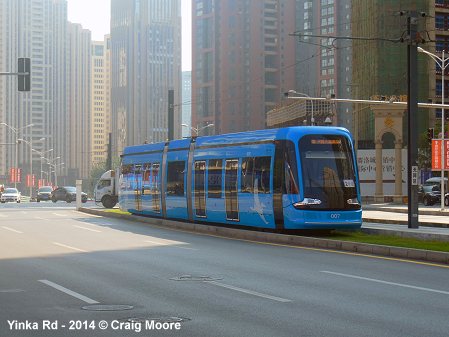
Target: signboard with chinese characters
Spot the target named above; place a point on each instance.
(436, 154)
(366, 161)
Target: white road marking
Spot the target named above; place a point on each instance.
(389, 283)
(250, 292)
(59, 214)
(69, 292)
(169, 244)
(40, 218)
(69, 247)
(12, 230)
(11, 291)
(88, 229)
(3, 215)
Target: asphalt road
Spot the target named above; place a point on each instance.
(58, 265)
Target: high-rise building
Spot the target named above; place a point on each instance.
(243, 61)
(324, 63)
(146, 64)
(186, 103)
(79, 103)
(100, 101)
(380, 64)
(34, 29)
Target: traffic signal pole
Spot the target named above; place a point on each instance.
(23, 74)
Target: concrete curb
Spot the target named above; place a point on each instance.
(405, 210)
(405, 222)
(294, 240)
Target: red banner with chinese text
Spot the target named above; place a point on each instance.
(436, 154)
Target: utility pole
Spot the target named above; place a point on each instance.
(412, 119)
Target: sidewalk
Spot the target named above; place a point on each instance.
(392, 219)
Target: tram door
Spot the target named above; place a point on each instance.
(231, 186)
(138, 190)
(200, 188)
(156, 188)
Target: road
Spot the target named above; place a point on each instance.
(66, 273)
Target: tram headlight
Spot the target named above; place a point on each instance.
(353, 201)
(307, 202)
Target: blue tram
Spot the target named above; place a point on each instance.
(277, 179)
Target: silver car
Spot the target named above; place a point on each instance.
(10, 194)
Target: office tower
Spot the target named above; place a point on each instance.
(380, 64)
(186, 103)
(146, 64)
(79, 103)
(100, 101)
(34, 29)
(243, 61)
(323, 63)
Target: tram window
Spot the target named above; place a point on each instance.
(126, 169)
(262, 174)
(215, 178)
(247, 180)
(291, 169)
(146, 172)
(256, 175)
(175, 178)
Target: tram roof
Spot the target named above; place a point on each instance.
(238, 137)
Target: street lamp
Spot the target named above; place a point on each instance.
(198, 129)
(312, 120)
(41, 153)
(51, 163)
(16, 132)
(30, 143)
(442, 63)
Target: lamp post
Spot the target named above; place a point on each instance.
(442, 63)
(16, 132)
(19, 140)
(41, 153)
(312, 120)
(198, 129)
(52, 164)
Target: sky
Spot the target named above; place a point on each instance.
(95, 16)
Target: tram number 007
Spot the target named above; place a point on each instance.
(335, 216)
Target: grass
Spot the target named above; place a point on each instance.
(388, 240)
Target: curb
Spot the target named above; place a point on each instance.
(294, 240)
(405, 222)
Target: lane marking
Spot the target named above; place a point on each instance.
(250, 292)
(168, 244)
(3, 215)
(40, 218)
(69, 292)
(88, 229)
(59, 214)
(387, 282)
(12, 230)
(69, 247)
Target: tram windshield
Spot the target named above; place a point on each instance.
(328, 172)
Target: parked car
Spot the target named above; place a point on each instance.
(10, 194)
(66, 193)
(429, 194)
(44, 193)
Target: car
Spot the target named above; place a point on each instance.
(10, 194)
(44, 193)
(67, 194)
(429, 194)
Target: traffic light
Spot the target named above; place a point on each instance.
(24, 74)
(430, 133)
